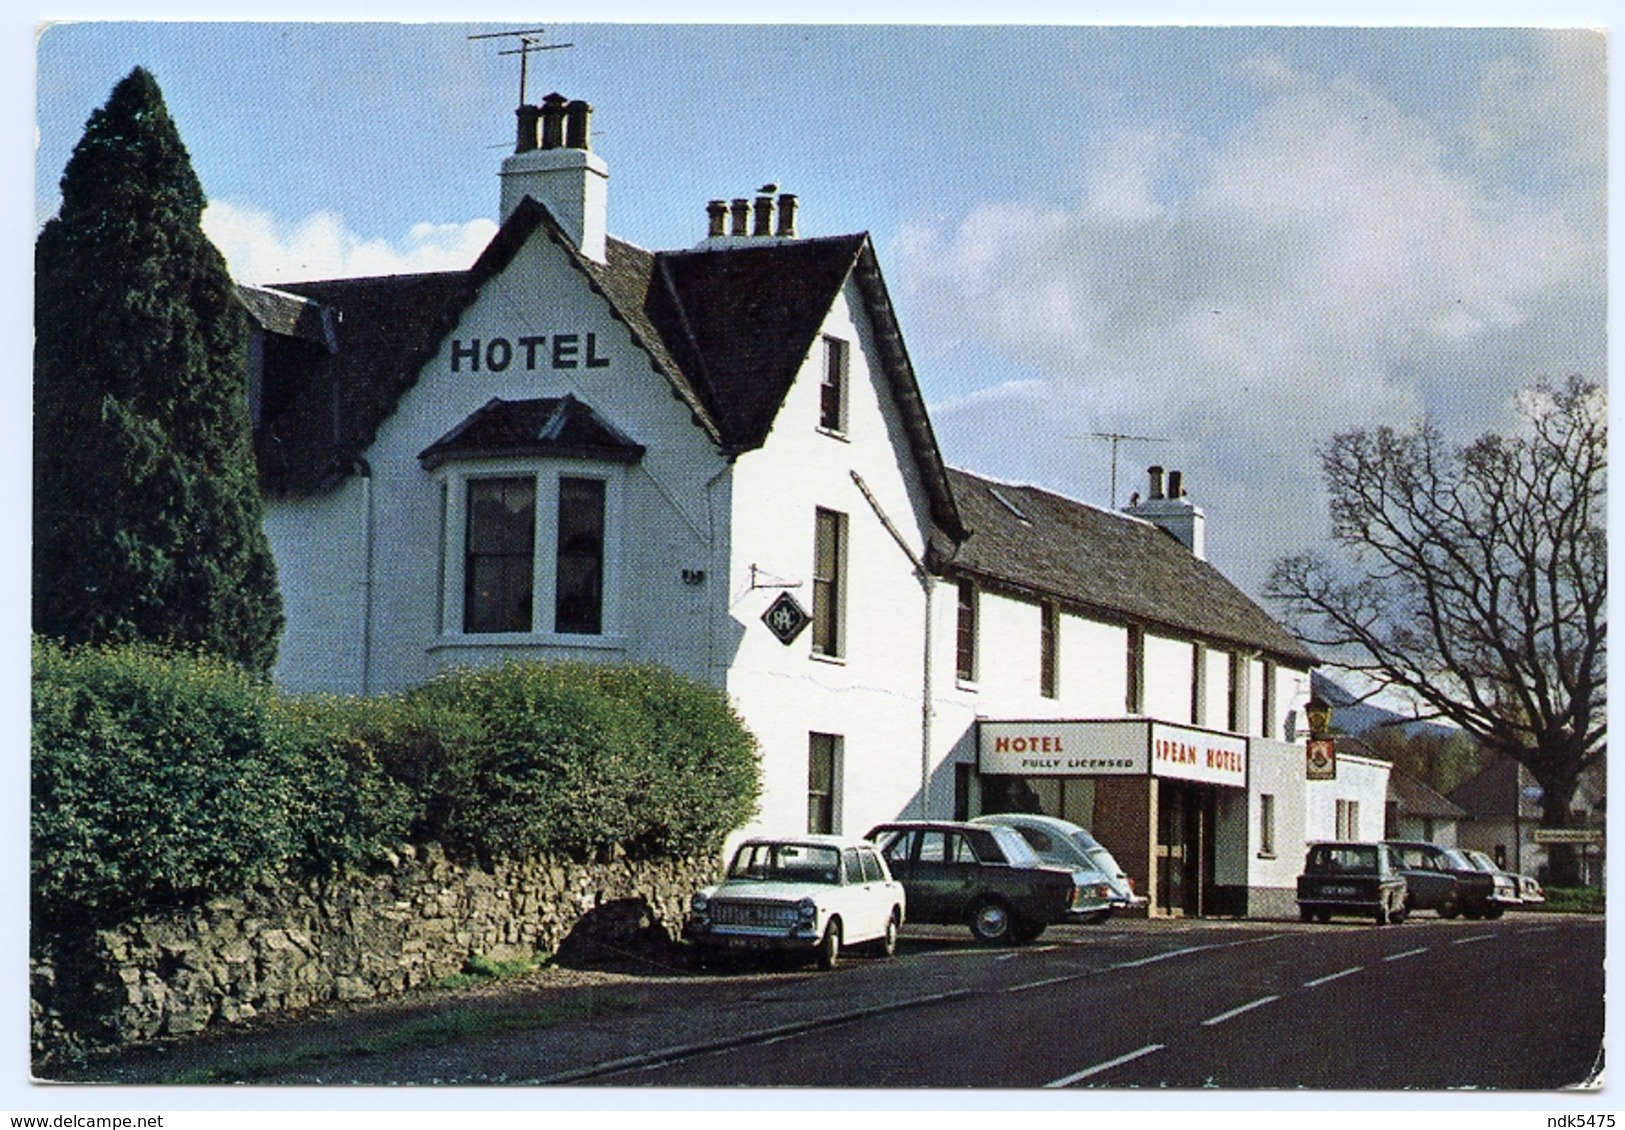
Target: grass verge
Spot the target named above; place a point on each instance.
(1576, 900)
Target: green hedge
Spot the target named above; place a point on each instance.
(577, 759)
(163, 779)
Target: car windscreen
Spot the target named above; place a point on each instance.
(792, 863)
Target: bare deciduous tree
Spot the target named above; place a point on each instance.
(1475, 579)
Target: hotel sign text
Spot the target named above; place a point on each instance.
(531, 352)
(1116, 747)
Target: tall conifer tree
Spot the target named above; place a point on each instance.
(147, 513)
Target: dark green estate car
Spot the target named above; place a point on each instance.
(1360, 880)
(984, 877)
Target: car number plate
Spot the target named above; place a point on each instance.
(748, 943)
(1339, 889)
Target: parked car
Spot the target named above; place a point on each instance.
(1503, 892)
(810, 895)
(1430, 877)
(1530, 893)
(1101, 886)
(1358, 879)
(985, 877)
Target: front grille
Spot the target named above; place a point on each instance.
(772, 914)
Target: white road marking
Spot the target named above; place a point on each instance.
(1332, 976)
(1223, 1016)
(1406, 953)
(1539, 930)
(1474, 938)
(1068, 1080)
(1161, 957)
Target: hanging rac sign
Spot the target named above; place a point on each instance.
(1116, 747)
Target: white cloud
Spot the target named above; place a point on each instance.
(262, 249)
(1325, 268)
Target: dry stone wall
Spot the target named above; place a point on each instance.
(349, 939)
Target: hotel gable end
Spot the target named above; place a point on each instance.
(582, 450)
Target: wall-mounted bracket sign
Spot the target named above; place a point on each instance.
(785, 618)
(1321, 760)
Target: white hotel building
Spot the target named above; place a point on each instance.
(718, 459)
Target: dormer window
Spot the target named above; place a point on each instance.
(832, 392)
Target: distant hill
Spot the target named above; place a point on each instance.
(1351, 716)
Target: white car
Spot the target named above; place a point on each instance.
(816, 895)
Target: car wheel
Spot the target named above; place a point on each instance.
(1472, 915)
(1305, 914)
(991, 922)
(1323, 916)
(887, 945)
(829, 949)
(1449, 909)
(1494, 912)
(1024, 932)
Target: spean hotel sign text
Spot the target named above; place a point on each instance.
(1117, 747)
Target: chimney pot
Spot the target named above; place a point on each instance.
(1156, 482)
(716, 214)
(787, 214)
(530, 118)
(1176, 484)
(741, 216)
(553, 121)
(577, 120)
(764, 216)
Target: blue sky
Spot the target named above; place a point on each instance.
(1236, 240)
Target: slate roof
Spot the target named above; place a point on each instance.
(728, 328)
(289, 315)
(1498, 792)
(1415, 798)
(559, 426)
(1106, 564)
(321, 409)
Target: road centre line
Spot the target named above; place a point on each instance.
(1471, 940)
(1332, 976)
(1068, 1080)
(1248, 1007)
(1406, 953)
(1161, 957)
(662, 1056)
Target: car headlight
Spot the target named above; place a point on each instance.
(700, 903)
(808, 909)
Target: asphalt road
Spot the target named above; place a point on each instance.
(1515, 1004)
(1512, 1004)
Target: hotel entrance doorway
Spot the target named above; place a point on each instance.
(1187, 817)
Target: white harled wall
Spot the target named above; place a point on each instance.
(1361, 779)
(871, 696)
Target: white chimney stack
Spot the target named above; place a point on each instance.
(1173, 511)
(553, 163)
